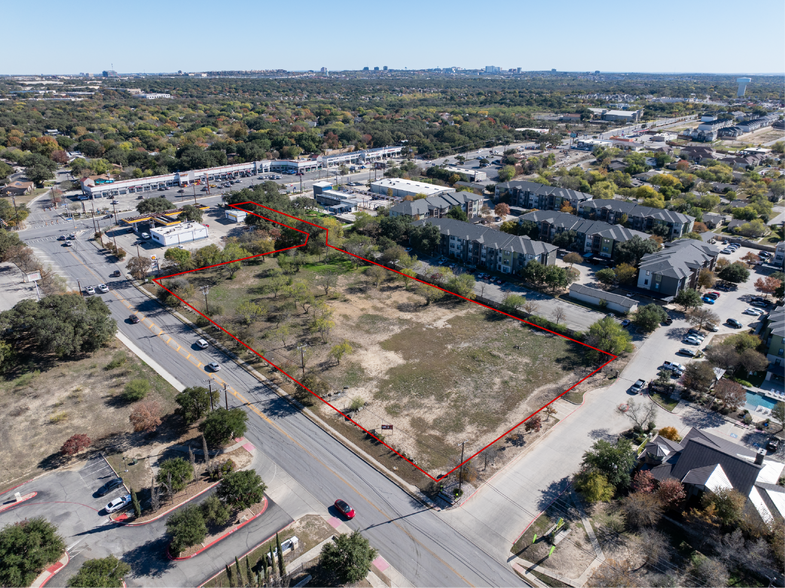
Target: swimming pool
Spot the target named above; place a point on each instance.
(756, 400)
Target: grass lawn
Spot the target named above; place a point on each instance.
(665, 401)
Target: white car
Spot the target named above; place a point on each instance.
(753, 311)
(202, 344)
(90, 290)
(103, 288)
(214, 366)
(118, 503)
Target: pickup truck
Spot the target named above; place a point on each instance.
(672, 365)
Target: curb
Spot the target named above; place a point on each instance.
(50, 572)
(24, 498)
(221, 538)
(163, 514)
(247, 553)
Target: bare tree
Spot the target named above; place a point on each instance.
(642, 509)
(559, 314)
(530, 307)
(640, 413)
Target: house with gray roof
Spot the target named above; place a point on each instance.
(534, 195)
(676, 266)
(598, 297)
(588, 236)
(706, 463)
(438, 206)
(485, 247)
(667, 223)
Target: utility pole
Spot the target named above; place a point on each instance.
(92, 207)
(205, 290)
(193, 185)
(79, 285)
(302, 357)
(137, 250)
(460, 474)
(115, 213)
(226, 397)
(210, 386)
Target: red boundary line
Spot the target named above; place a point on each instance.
(157, 281)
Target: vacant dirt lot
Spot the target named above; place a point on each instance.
(43, 409)
(440, 373)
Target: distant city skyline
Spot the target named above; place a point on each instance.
(566, 35)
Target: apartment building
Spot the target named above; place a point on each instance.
(676, 266)
(590, 236)
(533, 195)
(640, 218)
(439, 206)
(484, 247)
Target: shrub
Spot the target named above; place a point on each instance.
(670, 433)
(241, 489)
(181, 471)
(146, 416)
(215, 511)
(75, 444)
(594, 486)
(136, 390)
(187, 528)
(107, 572)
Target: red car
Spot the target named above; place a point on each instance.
(714, 295)
(344, 509)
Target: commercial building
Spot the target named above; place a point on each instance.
(235, 215)
(533, 195)
(473, 175)
(484, 247)
(588, 237)
(402, 188)
(666, 223)
(180, 233)
(676, 266)
(439, 206)
(623, 115)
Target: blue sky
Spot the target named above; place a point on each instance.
(720, 36)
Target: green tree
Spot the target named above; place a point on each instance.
(615, 461)
(698, 376)
(462, 285)
(222, 425)
(241, 489)
(26, 548)
(194, 402)
(649, 317)
(742, 341)
(139, 266)
(180, 470)
(182, 257)
(608, 335)
(348, 558)
(281, 564)
(736, 272)
(339, 350)
(726, 505)
(778, 414)
(573, 258)
(136, 390)
(457, 213)
(186, 527)
(513, 302)
(136, 504)
(688, 298)
(594, 486)
(190, 213)
(154, 205)
(633, 250)
(106, 572)
(606, 276)
(506, 173)
(215, 511)
(11, 216)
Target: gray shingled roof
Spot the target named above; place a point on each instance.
(489, 237)
(440, 201)
(541, 189)
(569, 222)
(678, 259)
(632, 209)
(700, 453)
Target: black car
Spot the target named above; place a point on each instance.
(773, 444)
(109, 486)
(734, 323)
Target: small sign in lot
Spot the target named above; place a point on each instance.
(387, 427)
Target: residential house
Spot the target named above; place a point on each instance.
(707, 463)
(696, 154)
(17, 188)
(676, 266)
(439, 206)
(591, 237)
(533, 195)
(485, 247)
(713, 220)
(773, 335)
(640, 218)
(598, 297)
(779, 254)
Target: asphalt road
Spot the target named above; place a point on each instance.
(413, 539)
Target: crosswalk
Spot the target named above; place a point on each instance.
(48, 262)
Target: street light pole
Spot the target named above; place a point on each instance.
(460, 474)
(205, 290)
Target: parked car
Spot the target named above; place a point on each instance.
(638, 386)
(688, 352)
(109, 486)
(753, 311)
(103, 288)
(344, 509)
(625, 322)
(145, 235)
(672, 365)
(712, 327)
(134, 319)
(691, 341)
(213, 366)
(714, 295)
(759, 303)
(773, 444)
(202, 344)
(708, 300)
(734, 323)
(118, 503)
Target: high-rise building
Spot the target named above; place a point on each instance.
(385, 68)
(492, 69)
(742, 86)
(376, 68)
(324, 70)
